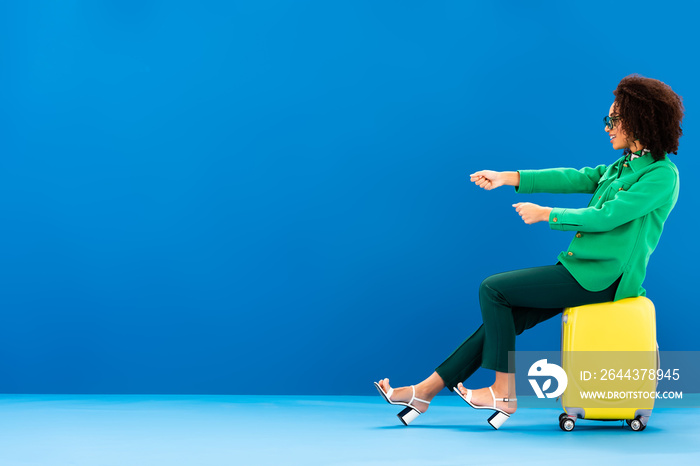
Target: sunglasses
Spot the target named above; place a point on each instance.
(610, 121)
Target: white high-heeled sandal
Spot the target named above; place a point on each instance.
(408, 414)
(498, 417)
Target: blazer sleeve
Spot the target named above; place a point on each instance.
(560, 180)
(651, 191)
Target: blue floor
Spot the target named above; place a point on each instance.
(257, 430)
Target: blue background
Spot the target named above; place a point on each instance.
(273, 197)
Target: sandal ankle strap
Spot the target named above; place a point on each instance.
(506, 400)
(416, 398)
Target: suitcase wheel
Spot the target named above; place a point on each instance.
(636, 424)
(566, 423)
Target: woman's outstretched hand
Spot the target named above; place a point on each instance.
(489, 179)
(532, 213)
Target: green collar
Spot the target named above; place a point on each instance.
(641, 162)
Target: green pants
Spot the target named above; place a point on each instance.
(512, 302)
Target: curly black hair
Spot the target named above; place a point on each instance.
(652, 112)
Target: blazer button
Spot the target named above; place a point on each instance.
(571, 253)
(620, 189)
(578, 235)
(599, 197)
(555, 219)
(625, 165)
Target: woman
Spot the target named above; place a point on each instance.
(606, 260)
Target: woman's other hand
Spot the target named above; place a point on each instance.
(489, 179)
(532, 213)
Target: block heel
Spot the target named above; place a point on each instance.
(498, 418)
(408, 415)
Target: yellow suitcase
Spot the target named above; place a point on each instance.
(610, 356)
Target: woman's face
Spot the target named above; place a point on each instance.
(618, 137)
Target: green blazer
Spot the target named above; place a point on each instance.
(620, 228)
